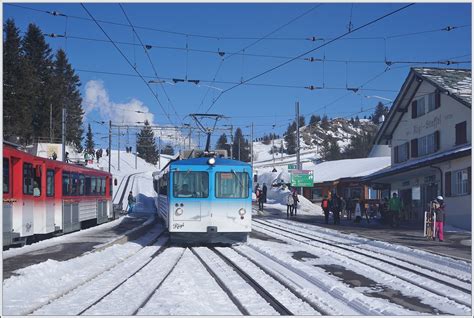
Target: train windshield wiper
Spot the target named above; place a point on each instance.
(241, 184)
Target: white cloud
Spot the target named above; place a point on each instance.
(97, 98)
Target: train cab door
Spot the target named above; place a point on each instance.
(39, 202)
(50, 198)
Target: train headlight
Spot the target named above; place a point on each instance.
(178, 211)
(242, 212)
(211, 161)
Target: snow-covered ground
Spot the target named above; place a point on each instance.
(308, 269)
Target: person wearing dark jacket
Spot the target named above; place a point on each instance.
(335, 206)
(325, 207)
(295, 201)
(264, 192)
(439, 222)
(131, 201)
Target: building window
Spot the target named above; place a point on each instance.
(461, 133)
(459, 182)
(401, 152)
(425, 104)
(50, 183)
(373, 194)
(427, 144)
(317, 194)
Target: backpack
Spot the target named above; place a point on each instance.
(325, 204)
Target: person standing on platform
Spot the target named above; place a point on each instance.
(289, 205)
(264, 192)
(335, 206)
(295, 201)
(325, 207)
(440, 216)
(395, 207)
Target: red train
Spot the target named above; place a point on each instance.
(43, 196)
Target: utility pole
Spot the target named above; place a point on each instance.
(251, 145)
(118, 150)
(298, 163)
(159, 153)
(231, 141)
(110, 143)
(63, 133)
(51, 123)
(136, 149)
(297, 108)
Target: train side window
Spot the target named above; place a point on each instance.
(28, 176)
(93, 185)
(49, 183)
(6, 175)
(66, 183)
(81, 184)
(103, 186)
(163, 183)
(98, 185)
(110, 184)
(75, 184)
(88, 185)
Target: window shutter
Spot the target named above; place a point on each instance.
(437, 140)
(413, 109)
(437, 99)
(447, 184)
(414, 148)
(469, 180)
(461, 133)
(396, 154)
(407, 147)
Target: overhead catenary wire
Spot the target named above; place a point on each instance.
(149, 58)
(128, 61)
(250, 45)
(310, 51)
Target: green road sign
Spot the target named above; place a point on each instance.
(302, 178)
(291, 167)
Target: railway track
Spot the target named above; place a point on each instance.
(455, 294)
(460, 279)
(72, 302)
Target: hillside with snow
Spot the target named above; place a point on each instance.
(311, 139)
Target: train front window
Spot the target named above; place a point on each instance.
(232, 185)
(190, 184)
(28, 177)
(6, 175)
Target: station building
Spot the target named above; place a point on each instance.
(428, 130)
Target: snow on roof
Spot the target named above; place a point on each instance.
(347, 168)
(457, 82)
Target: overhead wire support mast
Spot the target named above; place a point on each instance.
(207, 131)
(310, 51)
(128, 61)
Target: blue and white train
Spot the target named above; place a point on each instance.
(205, 200)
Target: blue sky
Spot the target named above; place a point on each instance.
(349, 62)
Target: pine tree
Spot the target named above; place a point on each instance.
(240, 145)
(38, 54)
(325, 123)
(168, 150)
(314, 120)
(90, 145)
(290, 138)
(360, 145)
(330, 150)
(65, 93)
(146, 145)
(18, 90)
(301, 121)
(222, 144)
(380, 110)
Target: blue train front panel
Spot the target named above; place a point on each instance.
(210, 197)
